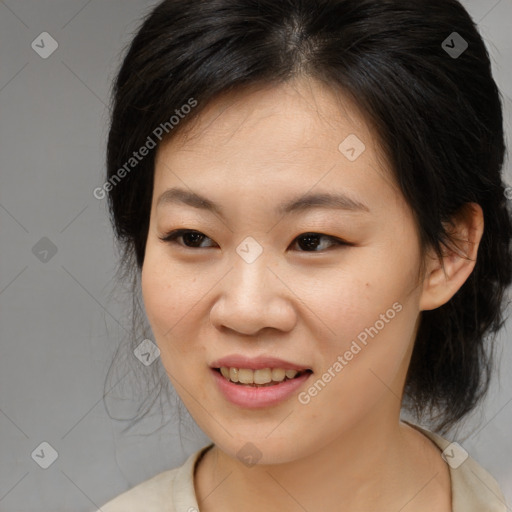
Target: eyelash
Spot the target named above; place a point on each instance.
(172, 237)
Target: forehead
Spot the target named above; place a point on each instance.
(287, 117)
(274, 134)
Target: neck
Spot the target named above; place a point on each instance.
(371, 466)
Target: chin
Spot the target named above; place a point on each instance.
(262, 451)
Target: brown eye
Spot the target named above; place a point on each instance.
(191, 239)
(308, 242)
(311, 241)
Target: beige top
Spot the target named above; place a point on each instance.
(473, 489)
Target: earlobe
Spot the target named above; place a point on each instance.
(445, 276)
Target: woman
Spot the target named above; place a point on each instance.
(310, 193)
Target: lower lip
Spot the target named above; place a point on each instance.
(258, 397)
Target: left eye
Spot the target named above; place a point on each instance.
(310, 241)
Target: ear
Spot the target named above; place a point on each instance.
(444, 276)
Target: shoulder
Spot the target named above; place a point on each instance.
(153, 493)
(169, 491)
(473, 488)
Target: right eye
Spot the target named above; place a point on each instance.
(189, 237)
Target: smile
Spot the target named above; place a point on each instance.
(262, 377)
(250, 395)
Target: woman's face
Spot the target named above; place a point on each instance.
(342, 302)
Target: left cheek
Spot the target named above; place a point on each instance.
(346, 306)
(368, 318)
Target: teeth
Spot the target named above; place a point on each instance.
(260, 377)
(245, 376)
(278, 374)
(233, 374)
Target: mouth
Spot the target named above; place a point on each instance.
(264, 377)
(265, 385)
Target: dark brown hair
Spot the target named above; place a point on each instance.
(438, 117)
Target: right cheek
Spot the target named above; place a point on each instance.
(153, 300)
(153, 279)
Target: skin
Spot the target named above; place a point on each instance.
(346, 449)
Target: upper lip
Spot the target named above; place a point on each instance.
(256, 363)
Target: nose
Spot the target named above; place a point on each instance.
(252, 297)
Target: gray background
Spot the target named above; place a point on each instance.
(60, 321)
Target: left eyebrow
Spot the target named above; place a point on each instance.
(303, 203)
(322, 200)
